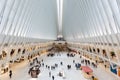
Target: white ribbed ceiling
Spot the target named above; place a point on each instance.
(90, 18)
(72, 19)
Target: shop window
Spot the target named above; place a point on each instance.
(90, 50)
(104, 53)
(98, 50)
(19, 50)
(23, 51)
(1, 57)
(4, 53)
(107, 64)
(93, 49)
(112, 54)
(101, 60)
(12, 52)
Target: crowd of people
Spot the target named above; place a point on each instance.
(36, 64)
(34, 71)
(34, 68)
(50, 54)
(88, 63)
(70, 54)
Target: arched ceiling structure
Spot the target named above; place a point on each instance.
(89, 26)
(85, 19)
(45, 20)
(75, 20)
(29, 18)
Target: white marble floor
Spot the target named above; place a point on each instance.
(20, 71)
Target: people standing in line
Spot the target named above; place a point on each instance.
(10, 73)
(53, 77)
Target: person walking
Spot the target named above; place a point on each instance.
(43, 64)
(10, 74)
(50, 74)
(53, 77)
(73, 61)
(61, 63)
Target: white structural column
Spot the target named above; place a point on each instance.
(60, 13)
